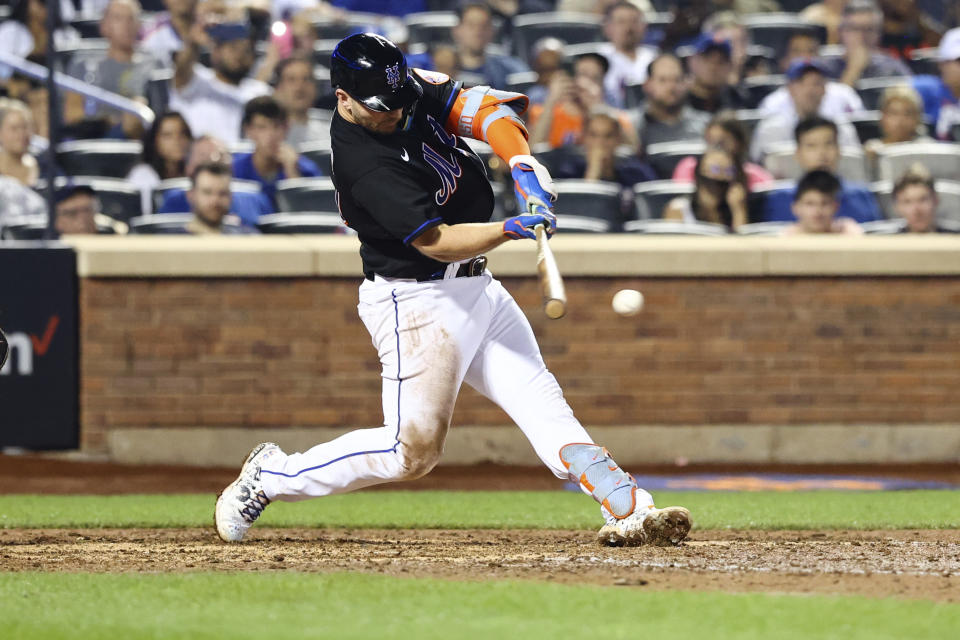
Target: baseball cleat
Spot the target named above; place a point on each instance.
(242, 502)
(658, 527)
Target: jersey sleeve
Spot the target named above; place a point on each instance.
(397, 203)
(439, 92)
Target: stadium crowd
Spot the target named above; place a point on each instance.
(653, 116)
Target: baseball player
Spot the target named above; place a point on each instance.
(420, 202)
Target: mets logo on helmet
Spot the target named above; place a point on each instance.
(393, 75)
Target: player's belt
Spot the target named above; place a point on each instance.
(468, 269)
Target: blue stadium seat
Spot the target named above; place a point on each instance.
(588, 199)
(665, 156)
(572, 28)
(651, 198)
(302, 222)
(306, 194)
(675, 228)
(106, 158)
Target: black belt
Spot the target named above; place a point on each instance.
(469, 269)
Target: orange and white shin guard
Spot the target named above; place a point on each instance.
(592, 467)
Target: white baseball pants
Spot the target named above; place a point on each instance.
(432, 337)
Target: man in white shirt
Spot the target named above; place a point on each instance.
(625, 27)
(212, 100)
(164, 35)
(805, 94)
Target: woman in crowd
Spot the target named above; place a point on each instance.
(725, 131)
(165, 150)
(25, 33)
(16, 127)
(720, 194)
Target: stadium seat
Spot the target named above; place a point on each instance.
(580, 224)
(757, 199)
(774, 30)
(35, 227)
(306, 194)
(87, 27)
(675, 228)
(320, 153)
(322, 50)
(924, 62)
(301, 222)
(749, 118)
(651, 198)
(430, 27)
(941, 159)
(884, 227)
(588, 199)
(553, 159)
(759, 87)
(170, 223)
(633, 95)
(82, 49)
(158, 90)
(572, 28)
(106, 158)
(521, 81)
(347, 25)
(781, 161)
(871, 90)
(665, 156)
(763, 228)
(867, 124)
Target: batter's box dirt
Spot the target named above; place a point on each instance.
(910, 564)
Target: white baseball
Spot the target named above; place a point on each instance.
(628, 302)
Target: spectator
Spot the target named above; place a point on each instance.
(915, 200)
(212, 100)
(559, 121)
(710, 67)
(687, 24)
(817, 148)
(76, 209)
(599, 7)
(941, 96)
(15, 131)
(25, 34)
(119, 71)
(839, 100)
(296, 91)
(801, 45)
(598, 160)
(901, 120)
(725, 25)
(295, 38)
(167, 32)
(806, 89)
(720, 194)
(746, 6)
(210, 201)
(725, 131)
(398, 8)
(906, 27)
(18, 202)
(273, 159)
(860, 39)
(246, 205)
(815, 206)
(472, 35)
(828, 13)
(625, 27)
(665, 116)
(547, 58)
(165, 149)
(595, 67)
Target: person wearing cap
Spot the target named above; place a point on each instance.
(625, 28)
(76, 208)
(122, 69)
(710, 67)
(212, 100)
(806, 87)
(941, 95)
(860, 32)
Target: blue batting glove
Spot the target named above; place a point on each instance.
(523, 226)
(532, 184)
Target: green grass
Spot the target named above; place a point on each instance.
(343, 606)
(498, 510)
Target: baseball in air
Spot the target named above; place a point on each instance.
(628, 302)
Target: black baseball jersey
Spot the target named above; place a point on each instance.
(391, 188)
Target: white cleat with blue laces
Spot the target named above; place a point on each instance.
(242, 502)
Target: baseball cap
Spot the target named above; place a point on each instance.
(227, 31)
(707, 42)
(949, 46)
(69, 190)
(799, 67)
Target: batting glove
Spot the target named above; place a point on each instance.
(532, 185)
(523, 226)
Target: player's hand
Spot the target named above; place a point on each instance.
(524, 226)
(532, 184)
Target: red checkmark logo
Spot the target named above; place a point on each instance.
(42, 345)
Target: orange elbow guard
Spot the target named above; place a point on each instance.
(477, 108)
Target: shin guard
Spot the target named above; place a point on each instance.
(592, 467)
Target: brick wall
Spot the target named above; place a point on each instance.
(292, 352)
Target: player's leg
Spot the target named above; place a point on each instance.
(425, 335)
(509, 369)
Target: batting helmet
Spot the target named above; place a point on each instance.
(373, 71)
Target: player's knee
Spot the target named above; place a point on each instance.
(421, 451)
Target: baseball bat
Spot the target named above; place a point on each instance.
(551, 283)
